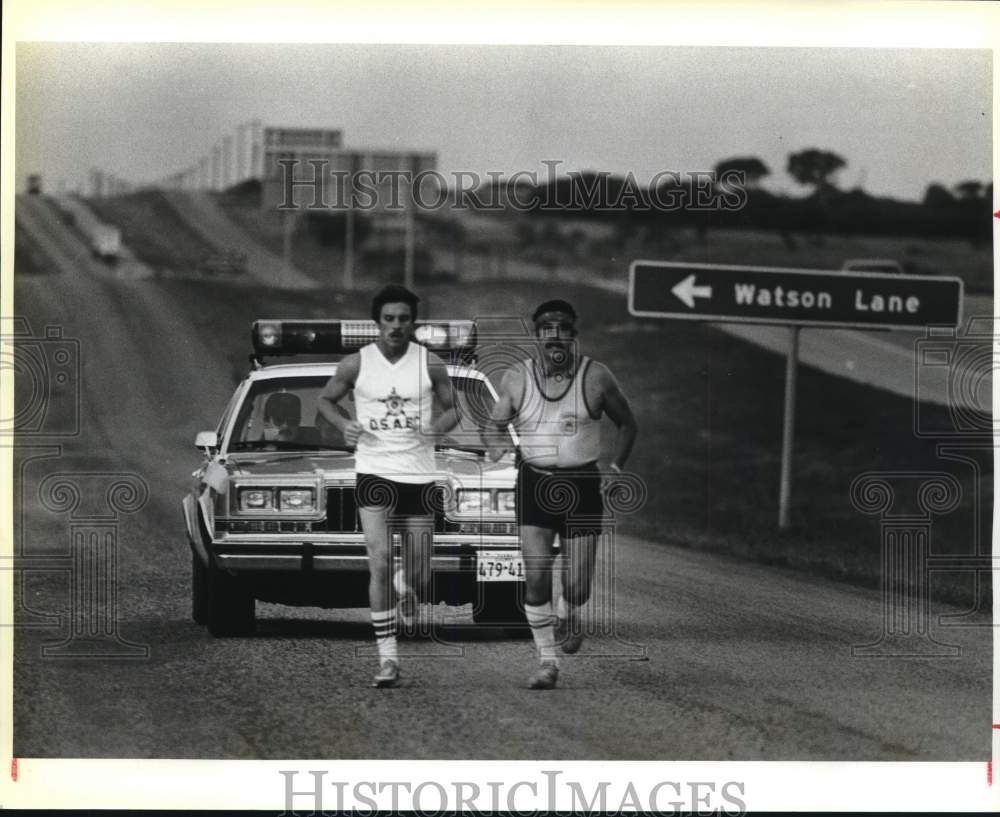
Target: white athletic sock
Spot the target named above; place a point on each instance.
(399, 582)
(561, 611)
(385, 635)
(541, 622)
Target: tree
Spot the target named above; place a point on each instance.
(969, 190)
(813, 167)
(937, 195)
(752, 168)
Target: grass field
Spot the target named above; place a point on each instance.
(710, 412)
(468, 241)
(153, 231)
(28, 256)
(324, 262)
(595, 247)
(269, 230)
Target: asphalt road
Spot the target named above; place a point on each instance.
(710, 658)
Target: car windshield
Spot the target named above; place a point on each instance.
(280, 414)
(474, 403)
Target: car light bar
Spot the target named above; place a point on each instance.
(322, 337)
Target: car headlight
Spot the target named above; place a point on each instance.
(256, 499)
(470, 500)
(506, 502)
(297, 499)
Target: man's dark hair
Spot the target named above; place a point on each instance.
(283, 406)
(394, 294)
(556, 305)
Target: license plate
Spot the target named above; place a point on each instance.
(499, 566)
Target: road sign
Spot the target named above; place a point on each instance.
(792, 297)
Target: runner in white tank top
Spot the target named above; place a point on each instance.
(393, 405)
(556, 405)
(394, 381)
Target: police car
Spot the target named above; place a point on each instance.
(271, 514)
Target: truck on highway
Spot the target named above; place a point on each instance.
(104, 240)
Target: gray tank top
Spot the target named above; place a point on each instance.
(557, 432)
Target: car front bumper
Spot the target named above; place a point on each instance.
(453, 553)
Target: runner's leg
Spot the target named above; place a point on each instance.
(381, 597)
(579, 556)
(536, 548)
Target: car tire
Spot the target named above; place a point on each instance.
(500, 604)
(199, 590)
(230, 605)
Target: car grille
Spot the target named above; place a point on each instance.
(342, 513)
(261, 526)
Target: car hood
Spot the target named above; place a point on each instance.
(467, 469)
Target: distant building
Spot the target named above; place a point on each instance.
(302, 144)
(372, 170)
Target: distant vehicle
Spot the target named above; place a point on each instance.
(35, 184)
(105, 241)
(873, 265)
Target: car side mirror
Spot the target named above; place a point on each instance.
(207, 439)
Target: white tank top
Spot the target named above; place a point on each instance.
(393, 404)
(557, 432)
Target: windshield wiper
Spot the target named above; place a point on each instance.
(285, 445)
(463, 449)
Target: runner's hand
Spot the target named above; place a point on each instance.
(609, 477)
(352, 431)
(495, 452)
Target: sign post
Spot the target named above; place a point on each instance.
(724, 293)
(788, 429)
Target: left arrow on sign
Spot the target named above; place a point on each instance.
(686, 291)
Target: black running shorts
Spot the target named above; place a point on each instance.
(559, 498)
(397, 498)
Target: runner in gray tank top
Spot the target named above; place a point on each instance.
(556, 405)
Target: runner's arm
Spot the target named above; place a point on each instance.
(613, 402)
(444, 392)
(335, 390)
(495, 435)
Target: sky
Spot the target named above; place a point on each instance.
(901, 118)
